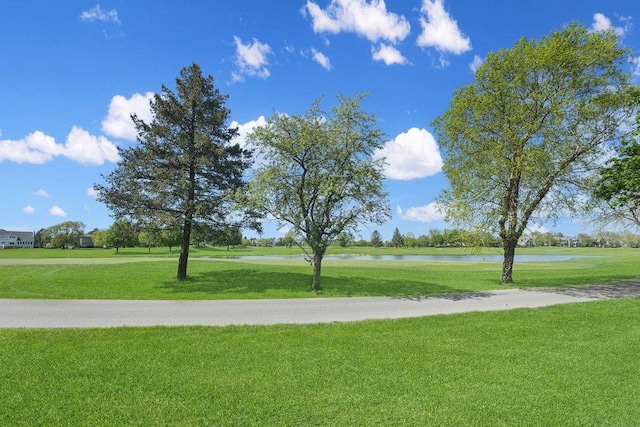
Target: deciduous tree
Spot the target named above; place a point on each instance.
(619, 182)
(319, 175)
(121, 234)
(519, 143)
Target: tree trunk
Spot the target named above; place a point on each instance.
(184, 249)
(507, 265)
(317, 267)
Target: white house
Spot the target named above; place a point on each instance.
(16, 239)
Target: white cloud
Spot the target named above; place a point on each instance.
(369, 20)
(602, 23)
(55, 210)
(439, 30)
(41, 193)
(636, 66)
(428, 213)
(411, 155)
(28, 209)
(537, 228)
(35, 148)
(321, 59)
(389, 54)
(476, 63)
(92, 192)
(97, 14)
(87, 149)
(80, 146)
(118, 123)
(251, 59)
(244, 130)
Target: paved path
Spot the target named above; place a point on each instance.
(109, 313)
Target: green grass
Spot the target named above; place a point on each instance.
(570, 365)
(132, 275)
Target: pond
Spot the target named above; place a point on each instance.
(446, 258)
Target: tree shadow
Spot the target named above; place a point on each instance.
(453, 296)
(627, 289)
(221, 282)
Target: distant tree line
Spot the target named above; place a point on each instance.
(126, 234)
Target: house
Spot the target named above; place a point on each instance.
(16, 239)
(86, 241)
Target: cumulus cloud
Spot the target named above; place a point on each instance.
(321, 59)
(87, 149)
(35, 148)
(92, 192)
(389, 54)
(80, 146)
(411, 155)
(28, 209)
(97, 14)
(118, 123)
(251, 59)
(369, 20)
(476, 63)
(428, 213)
(244, 130)
(602, 23)
(55, 210)
(439, 30)
(41, 193)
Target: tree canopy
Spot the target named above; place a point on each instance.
(319, 176)
(520, 142)
(619, 182)
(184, 168)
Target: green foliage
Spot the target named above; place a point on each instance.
(64, 235)
(121, 234)
(376, 239)
(344, 239)
(520, 142)
(319, 176)
(570, 365)
(397, 240)
(171, 238)
(619, 182)
(230, 236)
(98, 237)
(184, 167)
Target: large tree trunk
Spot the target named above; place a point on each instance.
(184, 249)
(507, 265)
(317, 267)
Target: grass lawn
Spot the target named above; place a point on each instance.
(133, 274)
(569, 365)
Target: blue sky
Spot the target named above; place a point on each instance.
(72, 72)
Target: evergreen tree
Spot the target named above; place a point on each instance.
(397, 240)
(184, 168)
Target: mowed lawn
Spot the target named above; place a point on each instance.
(133, 274)
(569, 365)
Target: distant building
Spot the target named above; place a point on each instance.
(16, 239)
(86, 241)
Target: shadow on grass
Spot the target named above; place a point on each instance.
(281, 284)
(456, 296)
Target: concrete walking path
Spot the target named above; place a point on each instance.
(25, 313)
